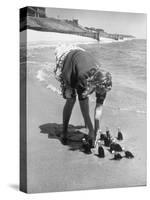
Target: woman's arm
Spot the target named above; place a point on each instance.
(100, 98)
(98, 116)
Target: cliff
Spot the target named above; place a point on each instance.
(54, 25)
(65, 26)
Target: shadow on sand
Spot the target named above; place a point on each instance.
(75, 134)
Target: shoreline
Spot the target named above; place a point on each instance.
(36, 39)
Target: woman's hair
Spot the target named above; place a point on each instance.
(100, 80)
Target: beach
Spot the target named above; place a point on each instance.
(52, 166)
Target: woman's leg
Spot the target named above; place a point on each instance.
(84, 105)
(86, 125)
(67, 114)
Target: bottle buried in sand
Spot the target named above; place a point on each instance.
(128, 154)
(86, 146)
(117, 156)
(119, 136)
(115, 147)
(107, 138)
(108, 133)
(102, 136)
(101, 152)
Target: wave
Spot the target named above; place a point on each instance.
(53, 44)
(39, 45)
(32, 62)
(141, 111)
(40, 75)
(54, 89)
(45, 74)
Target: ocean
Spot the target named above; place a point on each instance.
(126, 61)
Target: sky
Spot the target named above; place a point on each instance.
(112, 22)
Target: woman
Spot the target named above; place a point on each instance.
(79, 74)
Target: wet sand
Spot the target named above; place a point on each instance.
(55, 167)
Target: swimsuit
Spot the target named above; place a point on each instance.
(74, 71)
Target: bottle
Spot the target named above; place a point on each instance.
(119, 136)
